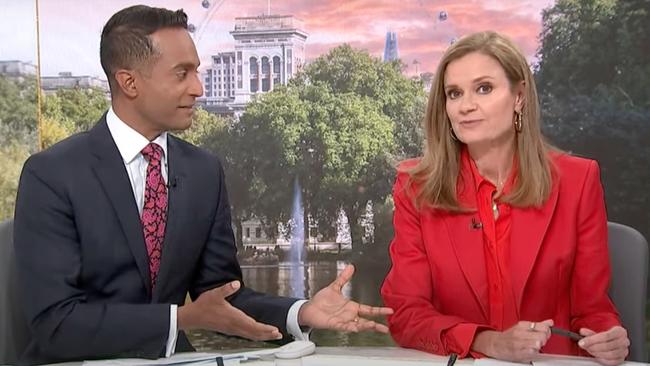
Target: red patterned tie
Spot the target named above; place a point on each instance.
(154, 212)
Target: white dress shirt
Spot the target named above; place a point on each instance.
(130, 144)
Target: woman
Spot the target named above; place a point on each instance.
(498, 236)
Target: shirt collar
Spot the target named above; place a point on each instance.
(129, 141)
(468, 165)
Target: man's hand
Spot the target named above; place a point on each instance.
(329, 309)
(520, 343)
(212, 311)
(609, 348)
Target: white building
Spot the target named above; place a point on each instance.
(269, 50)
(65, 80)
(15, 69)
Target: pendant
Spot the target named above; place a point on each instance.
(495, 210)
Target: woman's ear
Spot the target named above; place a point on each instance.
(520, 98)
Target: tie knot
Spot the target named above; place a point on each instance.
(152, 152)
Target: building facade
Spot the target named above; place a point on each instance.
(15, 69)
(65, 80)
(269, 50)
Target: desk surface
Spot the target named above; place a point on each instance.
(373, 356)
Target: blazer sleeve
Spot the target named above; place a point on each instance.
(591, 306)
(408, 289)
(219, 265)
(64, 325)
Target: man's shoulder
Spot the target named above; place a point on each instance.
(193, 153)
(67, 152)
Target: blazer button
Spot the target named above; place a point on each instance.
(435, 348)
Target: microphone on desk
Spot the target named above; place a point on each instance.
(475, 225)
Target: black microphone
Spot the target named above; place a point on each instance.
(475, 225)
(173, 182)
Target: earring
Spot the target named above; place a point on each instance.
(518, 124)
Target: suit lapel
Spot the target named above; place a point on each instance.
(529, 227)
(467, 242)
(114, 179)
(177, 205)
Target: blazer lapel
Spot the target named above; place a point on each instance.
(114, 179)
(529, 227)
(467, 241)
(178, 198)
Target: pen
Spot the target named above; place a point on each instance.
(566, 333)
(452, 359)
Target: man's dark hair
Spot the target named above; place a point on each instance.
(125, 42)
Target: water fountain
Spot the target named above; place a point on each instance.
(297, 249)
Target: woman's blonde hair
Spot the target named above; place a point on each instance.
(437, 173)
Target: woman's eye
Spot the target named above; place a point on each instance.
(453, 94)
(484, 89)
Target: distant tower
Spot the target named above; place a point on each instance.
(390, 50)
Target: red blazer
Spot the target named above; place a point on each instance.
(559, 264)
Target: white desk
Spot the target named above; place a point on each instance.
(374, 356)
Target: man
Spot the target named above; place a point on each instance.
(113, 227)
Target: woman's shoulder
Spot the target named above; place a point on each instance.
(572, 167)
(405, 169)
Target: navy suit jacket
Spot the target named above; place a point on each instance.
(81, 256)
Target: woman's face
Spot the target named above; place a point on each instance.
(480, 101)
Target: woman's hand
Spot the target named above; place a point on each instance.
(520, 343)
(609, 347)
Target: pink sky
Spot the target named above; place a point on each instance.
(70, 29)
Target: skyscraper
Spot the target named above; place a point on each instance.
(390, 50)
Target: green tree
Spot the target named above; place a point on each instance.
(329, 141)
(12, 157)
(17, 107)
(572, 57)
(592, 76)
(220, 136)
(76, 109)
(18, 136)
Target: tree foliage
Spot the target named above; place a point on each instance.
(338, 127)
(593, 75)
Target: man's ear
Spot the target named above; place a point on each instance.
(126, 82)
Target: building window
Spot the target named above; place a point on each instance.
(265, 65)
(253, 67)
(248, 232)
(253, 85)
(258, 232)
(276, 65)
(266, 84)
(289, 63)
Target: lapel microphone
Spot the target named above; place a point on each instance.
(172, 183)
(475, 225)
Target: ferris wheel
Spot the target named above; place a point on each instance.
(198, 28)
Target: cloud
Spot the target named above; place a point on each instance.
(75, 26)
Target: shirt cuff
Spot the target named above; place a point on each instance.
(173, 333)
(459, 339)
(292, 322)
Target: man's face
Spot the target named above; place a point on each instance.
(170, 84)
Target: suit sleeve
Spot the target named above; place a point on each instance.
(408, 289)
(64, 325)
(219, 265)
(591, 306)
